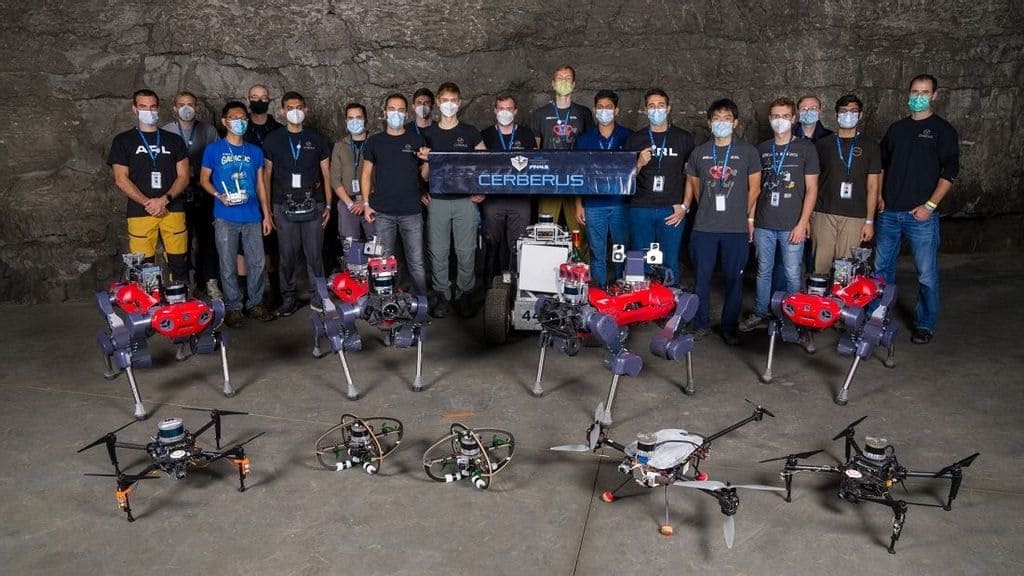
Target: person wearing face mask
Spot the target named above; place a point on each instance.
(556, 126)
(198, 206)
(452, 216)
(724, 179)
(782, 222)
(422, 110)
(505, 217)
(393, 167)
(297, 164)
(150, 167)
(345, 160)
(261, 122)
(809, 114)
(851, 166)
(232, 174)
(921, 160)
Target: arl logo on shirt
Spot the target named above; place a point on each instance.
(153, 149)
(657, 152)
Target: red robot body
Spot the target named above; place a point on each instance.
(632, 307)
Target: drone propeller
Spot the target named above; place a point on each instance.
(729, 530)
(571, 448)
(123, 477)
(215, 415)
(214, 411)
(760, 408)
(799, 456)
(714, 485)
(849, 429)
(961, 464)
(107, 437)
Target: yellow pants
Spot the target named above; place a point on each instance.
(556, 206)
(144, 230)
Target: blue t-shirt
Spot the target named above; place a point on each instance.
(592, 140)
(235, 169)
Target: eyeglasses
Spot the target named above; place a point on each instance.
(810, 109)
(229, 118)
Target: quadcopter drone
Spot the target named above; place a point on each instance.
(139, 306)
(355, 440)
(173, 451)
(367, 291)
(579, 309)
(860, 303)
(478, 454)
(869, 474)
(672, 457)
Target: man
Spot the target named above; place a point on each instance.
(556, 126)
(150, 167)
(724, 177)
(345, 160)
(658, 209)
(423, 111)
(232, 174)
(850, 178)
(811, 128)
(604, 215)
(782, 222)
(393, 167)
(505, 217)
(198, 207)
(452, 216)
(297, 164)
(261, 123)
(921, 158)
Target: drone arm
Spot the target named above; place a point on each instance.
(954, 475)
(757, 415)
(130, 446)
(613, 444)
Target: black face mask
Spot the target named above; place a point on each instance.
(258, 106)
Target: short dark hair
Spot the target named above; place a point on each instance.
(724, 104)
(144, 92)
(506, 96)
(607, 95)
(400, 96)
(847, 100)
(783, 101)
(231, 106)
(353, 105)
(292, 95)
(656, 92)
(421, 92)
(450, 87)
(929, 77)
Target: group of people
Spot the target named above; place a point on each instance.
(259, 198)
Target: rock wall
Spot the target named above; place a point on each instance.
(70, 67)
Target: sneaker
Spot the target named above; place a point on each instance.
(234, 318)
(440, 308)
(316, 306)
(466, 305)
(287, 308)
(213, 290)
(731, 338)
(921, 336)
(259, 312)
(700, 333)
(752, 322)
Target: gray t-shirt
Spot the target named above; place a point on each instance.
(196, 140)
(783, 185)
(723, 194)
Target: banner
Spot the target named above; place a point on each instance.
(534, 172)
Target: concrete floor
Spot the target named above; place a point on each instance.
(543, 515)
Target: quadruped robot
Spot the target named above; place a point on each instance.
(367, 291)
(141, 305)
(858, 302)
(869, 474)
(579, 310)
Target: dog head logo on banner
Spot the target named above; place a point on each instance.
(520, 162)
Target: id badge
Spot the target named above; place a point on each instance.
(846, 190)
(296, 180)
(155, 180)
(775, 200)
(355, 187)
(659, 184)
(720, 203)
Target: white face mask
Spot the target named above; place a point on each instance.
(148, 117)
(449, 109)
(604, 115)
(848, 120)
(505, 117)
(295, 116)
(395, 119)
(781, 125)
(423, 111)
(186, 112)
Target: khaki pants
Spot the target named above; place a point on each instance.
(832, 237)
(559, 205)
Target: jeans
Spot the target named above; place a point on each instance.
(227, 236)
(352, 226)
(792, 255)
(923, 238)
(410, 228)
(705, 250)
(647, 225)
(294, 238)
(602, 221)
(451, 219)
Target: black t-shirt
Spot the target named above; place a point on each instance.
(662, 181)
(724, 184)
(915, 154)
(782, 192)
(558, 128)
(867, 159)
(521, 138)
(462, 138)
(257, 133)
(396, 172)
(158, 154)
(296, 153)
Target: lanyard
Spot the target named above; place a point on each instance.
(848, 161)
(188, 139)
(664, 144)
(558, 120)
(152, 155)
(725, 162)
(357, 153)
(296, 148)
(239, 158)
(777, 166)
(611, 140)
(511, 139)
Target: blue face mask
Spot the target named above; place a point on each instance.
(721, 129)
(604, 115)
(848, 120)
(238, 126)
(395, 119)
(809, 117)
(919, 102)
(355, 125)
(657, 116)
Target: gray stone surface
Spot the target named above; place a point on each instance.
(69, 67)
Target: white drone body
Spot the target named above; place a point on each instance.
(672, 447)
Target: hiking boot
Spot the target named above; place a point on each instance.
(259, 312)
(287, 308)
(213, 290)
(441, 308)
(700, 333)
(921, 336)
(731, 338)
(234, 319)
(752, 322)
(466, 305)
